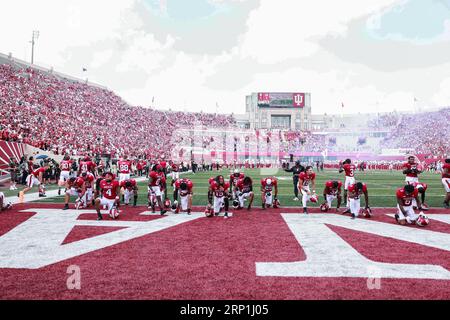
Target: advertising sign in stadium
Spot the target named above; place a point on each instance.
(281, 100)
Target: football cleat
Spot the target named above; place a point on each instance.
(235, 204)
(425, 207)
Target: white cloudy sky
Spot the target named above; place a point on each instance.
(192, 54)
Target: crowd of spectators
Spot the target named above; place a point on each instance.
(304, 141)
(58, 115)
(424, 133)
(63, 116)
(384, 121)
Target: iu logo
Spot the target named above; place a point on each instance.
(299, 100)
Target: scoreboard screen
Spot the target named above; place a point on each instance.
(281, 100)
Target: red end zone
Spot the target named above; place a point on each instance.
(203, 258)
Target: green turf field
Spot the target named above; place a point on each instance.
(381, 186)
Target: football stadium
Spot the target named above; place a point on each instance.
(292, 191)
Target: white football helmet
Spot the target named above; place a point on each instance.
(422, 220)
(114, 213)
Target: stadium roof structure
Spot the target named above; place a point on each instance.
(17, 63)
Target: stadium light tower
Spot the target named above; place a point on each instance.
(34, 37)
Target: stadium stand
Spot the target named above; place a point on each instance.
(65, 116)
(70, 117)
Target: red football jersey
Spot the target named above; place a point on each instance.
(78, 183)
(306, 178)
(234, 179)
(352, 189)
(242, 187)
(109, 189)
(124, 166)
(329, 188)
(87, 166)
(219, 191)
(89, 180)
(265, 186)
(446, 166)
(157, 179)
(37, 171)
(406, 200)
(349, 169)
(133, 184)
(66, 165)
(189, 183)
(407, 165)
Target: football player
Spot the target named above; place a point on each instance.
(75, 187)
(89, 183)
(109, 190)
(245, 191)
(34, 178)
(234, 178)
(446, 182)
(332, 191)
(209, 210)
(3, 204)
(354, 193)
(305, 180)
(164, 166)
(412, 169)
(269, 185)
(220, 192)
(86, 165)
(405, 197)
(183, 190)
(175, 174)
(157, 181)
(130, 189)
(65, 166)
(124, 168)
(349, 169)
